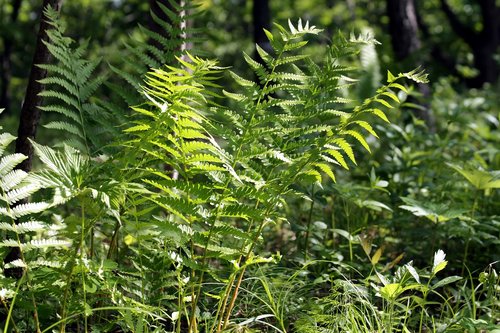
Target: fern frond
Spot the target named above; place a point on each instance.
(9, 162)
(12, 179)
(69, 88)
(21, 228)
(24, 209)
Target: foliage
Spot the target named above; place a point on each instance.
(178, 209)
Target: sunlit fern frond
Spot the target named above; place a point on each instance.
(21, 222)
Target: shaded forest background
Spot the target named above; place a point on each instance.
(458, 39)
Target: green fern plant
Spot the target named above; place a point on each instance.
(151, 49)
(201, 175)
(70, 86)
(23, 229)
(235, 165)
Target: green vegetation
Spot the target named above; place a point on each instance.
(298, 194)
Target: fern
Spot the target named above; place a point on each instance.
(237, 164)
(22, 227)
(71, 83)
(202, 174)
(153, 50)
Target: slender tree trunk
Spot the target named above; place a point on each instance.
(30, 112)
(403, 27)
(486, 46)
(261, 20)
(5, 59)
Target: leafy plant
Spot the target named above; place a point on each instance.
(194, 182)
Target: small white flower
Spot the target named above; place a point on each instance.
(439, 262)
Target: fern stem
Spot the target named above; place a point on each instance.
(309, 222)
(11, 308)
(236, 158)
(82, 262)
(33, 301)
(71, 264)
(14, 326)
(113, 244)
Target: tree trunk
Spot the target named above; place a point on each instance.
(261, 20)
(30, 112)
(5, 59)
(403, 27)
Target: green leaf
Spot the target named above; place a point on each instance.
(480, 179)
(326, 169)
(446, 280)
(390, 77)
(379, 113)
(432, 211)
(391, 291)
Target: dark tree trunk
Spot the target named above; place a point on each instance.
(483, 44)
(30, 112)
(5, 59)
(261, 20)
(404, 29)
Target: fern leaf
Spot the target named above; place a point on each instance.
(9, 162)
(63, 111)
(20, 193)
(16, 263)
(379, 113)
(71, 101)
(366, 126)
(241, 81)
(66, 127)
(27, 209)
(338, 157)
(45, 243)
(326, 169)
(358, 137)
(5, 140)
(31, 226)
(12, 179)
(138, 128)
(63, 83)
(346, 148)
